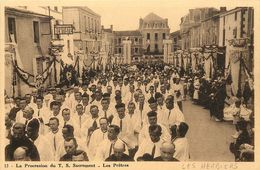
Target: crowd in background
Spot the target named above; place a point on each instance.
(123, 114)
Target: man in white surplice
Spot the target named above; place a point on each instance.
(79, 118)
(39, 141)
(122, 120)
(97, 137)
(180, 141)
(91, 124)
(105, 148)
(152, 144)
(152, 120)
(173, 115)
(54, 137)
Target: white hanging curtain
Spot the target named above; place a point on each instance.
(235, 70)
(193, 62)
(207, 65)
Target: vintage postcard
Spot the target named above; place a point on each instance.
(128, 84)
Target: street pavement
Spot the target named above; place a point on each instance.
(208, 140)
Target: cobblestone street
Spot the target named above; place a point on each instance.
(209, 140)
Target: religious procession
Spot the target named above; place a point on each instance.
(115, 108)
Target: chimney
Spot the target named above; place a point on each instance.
(111, 27)
(102, 27)
(140, 23)
(223, 9)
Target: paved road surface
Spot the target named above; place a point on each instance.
(209, 140)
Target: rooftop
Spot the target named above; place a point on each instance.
(153, 17)
(128, 33)
(24, 11)
(175, 33)
(85, 8)
(107, 30)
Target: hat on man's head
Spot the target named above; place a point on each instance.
(152, 114)
(85, 94)
(158, 95)
(34, 123)
(152, 100)
(121, 105)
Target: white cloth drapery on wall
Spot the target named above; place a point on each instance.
(185, 62)
(193, 62)
(235, 67)
(208, 65)
(179, 59)
(9, 74)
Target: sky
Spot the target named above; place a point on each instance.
(125, 14)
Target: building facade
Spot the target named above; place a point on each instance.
(33, 42)
(55, 12)
(234, 24)
(176, 40)
(154, 30)
(108, 39)
(136, 44)
(210, 31)
(87, 33)
(238, 23)
(195, 25)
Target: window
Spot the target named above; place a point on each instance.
(68, 43)
(92, 26)
(224, 37)
(148, 36)
(224, 21)
(175, 40)
(235, 32)
(119, 40)
(156, 47)
(148, 49)
(85, 23)
(136, 50)
(55, 8)
(95, 26)
(119, 50)
(36, 31)
(12, 29)
(136, 39)
(156, 36)
(39, 64)
(164, 36)
(235, 16)
(88, 23)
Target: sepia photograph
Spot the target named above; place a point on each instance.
(128, 81)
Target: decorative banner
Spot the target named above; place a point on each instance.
(193, 61)
(235, 56)
(39, 82)
(235, 72)
(208, 65)
(25, 76)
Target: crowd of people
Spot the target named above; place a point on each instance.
(120, 114)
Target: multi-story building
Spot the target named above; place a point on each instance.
(136, 43)
(154, 30)
(33, 42)
(238, 23)
(54, 12)
(87, 34)
(107, 46)
(190, 27)
(108, 39)
(176, 40)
